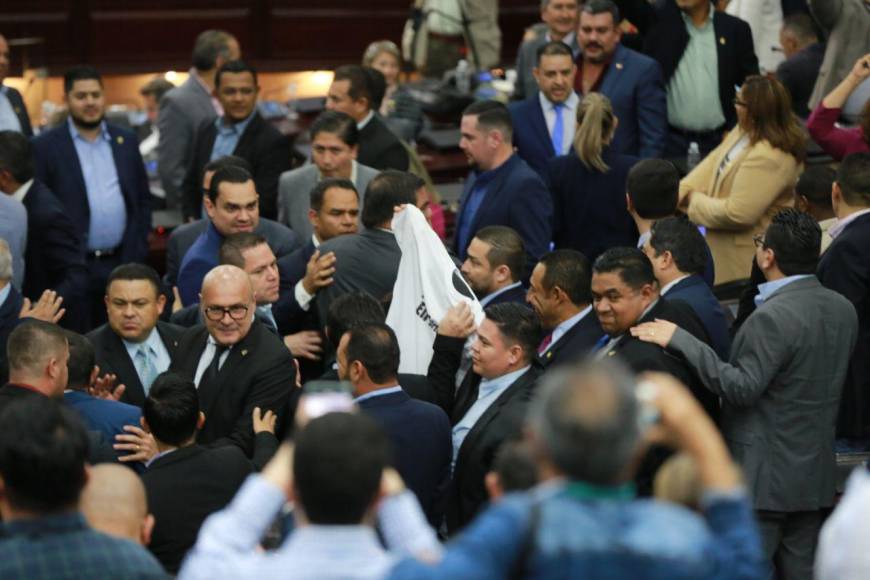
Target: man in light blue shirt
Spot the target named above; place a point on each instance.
(13, 113)
(13, 229)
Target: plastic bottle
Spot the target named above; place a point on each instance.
(693, 157)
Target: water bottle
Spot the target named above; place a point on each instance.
(693, 157)
(463, 77)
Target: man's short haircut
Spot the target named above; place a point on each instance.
(815, 184)
(853, 177)
(515, 466)
(82, 358)
(135, 271)
(569, 270)
(801, 26)
(586, 417)
(16, 156)
(385, 191)
(553, 48)
(235, 245)
(172, 409)
(796, 239)
(234, 66)
(229, 174)
(363, 84)
(337, 467)
(517, 324)
(600, 7)
(318, 192)
(227, 161)
(43, 448)
(351, 310)
(506, 249)
(32, 343)
(682, 239)
(156, 87)
(5, 261)
(375, 345)
(336, 123)
(653, 186)
(208, 46)
(491, 116)
(80, 73)
(634, 268)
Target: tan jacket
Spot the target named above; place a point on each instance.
(739, 203)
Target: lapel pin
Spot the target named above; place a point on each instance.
(722, 40)
(17, 110)
(244, 352)
(120, 140)
(549, 355)
(611, 353)
(619, 66)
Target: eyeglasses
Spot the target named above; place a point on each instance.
(216, 313)
(739, 103)
(758, 240)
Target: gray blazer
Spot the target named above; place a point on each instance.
(780, 392)
(527, 59)
(847, 23)
(13, 229)
(182, 110)
(294, 188)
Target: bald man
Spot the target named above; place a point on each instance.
(235, 362)
(114, 502)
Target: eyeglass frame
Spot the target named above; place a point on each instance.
(224, 310)
(758, 240)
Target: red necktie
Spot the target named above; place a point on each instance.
(542, 348)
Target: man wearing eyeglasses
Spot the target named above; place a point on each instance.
(235, 362)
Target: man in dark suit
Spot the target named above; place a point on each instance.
(544, 123)
(55, 255)
(13, 112)
(632, 81)
(368, 357)
(503, 189)
(560, 25)
(134, 346)
(845, 268)
(803, 60)
(687, 36)
(241, 132)
(494, 264)
(187, 482)
(676, 250)
(96, 171)
(358, 92)
(560, 296)
(235, 361)
(490, 404)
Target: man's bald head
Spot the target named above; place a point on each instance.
(114, 503)
(227, 303)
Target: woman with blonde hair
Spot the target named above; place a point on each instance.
(588, 185)
(402, 114)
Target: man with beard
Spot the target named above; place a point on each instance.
(494, 261)
(95, 170)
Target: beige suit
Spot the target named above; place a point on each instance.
(740, 202)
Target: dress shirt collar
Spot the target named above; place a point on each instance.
(643, 239)
(837, 229)
(490, 297)
(711, 14)
(158, 456)
(567, 325)
(21, 192)
(4, 293)
(569, 104)
(672, 283)
(361, 125)
(315, 241)
(152, 342)
(765, 290)
(359, 538)
(76, 134)
(234, 128)
(483, 178)
(499, 384)
(378, 393)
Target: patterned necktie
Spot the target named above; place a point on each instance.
(145, 367)
(558, 128)
(545, 344)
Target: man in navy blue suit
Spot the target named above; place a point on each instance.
(96, 171)
(368, 357)
(632, 81)
(544, 123)
(502, 189)
(494, 263)
(676, 250)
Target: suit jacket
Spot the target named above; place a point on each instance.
(575, 344)
(59, 168)
(182, 111)
(780, 397)
(294, 200)
(739, 203)
(184, 487)
(502, 421)
(422, 446)
(695, 292)
(20, 110)
(633, 83)
(735, 52)
(258, 372)
(845, 268)
(14, 230)
(516, 197)
(527, 58)
(531, 136)
(107, 417)
(8, 321)
(379, 148)
(799, 74)
(416, 386)
(112, 357)
(846, 23)
(591, 215)
(261, 144)
(517, 294)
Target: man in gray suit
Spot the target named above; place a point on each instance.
(559, 24)
(184, 108)
(781, 389)
(13, 229)
(334, 145)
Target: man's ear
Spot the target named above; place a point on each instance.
(147, 529)
(93, 376)
(200, 421)
(493, 486)
(144, 425)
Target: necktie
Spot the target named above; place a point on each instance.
(145, 367)
(545, 344)
(558, 128)
(211, 372)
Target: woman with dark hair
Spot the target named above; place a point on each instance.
(736, 190)
(588, 185)
(835, 141)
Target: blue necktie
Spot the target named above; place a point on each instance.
(558, 128)
(145, 367)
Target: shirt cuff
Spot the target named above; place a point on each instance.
(302, 296)
(405, 528)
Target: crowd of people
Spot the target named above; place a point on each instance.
(593, 399)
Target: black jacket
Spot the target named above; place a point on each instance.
(574, 344)
(380, 148)
(20, 110)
